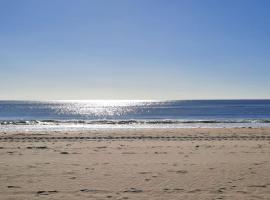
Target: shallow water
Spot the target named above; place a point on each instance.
(83, 115)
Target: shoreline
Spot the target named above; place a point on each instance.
(178, 132)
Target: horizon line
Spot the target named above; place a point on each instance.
(203, 99)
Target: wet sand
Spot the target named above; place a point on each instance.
(136, 164)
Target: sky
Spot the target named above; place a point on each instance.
(134, 49)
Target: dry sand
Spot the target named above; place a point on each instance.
(136, 164)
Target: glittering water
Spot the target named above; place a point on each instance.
(77, 115)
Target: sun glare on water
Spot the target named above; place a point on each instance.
(100, 107)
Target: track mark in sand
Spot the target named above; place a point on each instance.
(258, 186)
(89, 190)
(178, 171)
(145, 173)
(40, 147)
(130, 138)
(64, 152)
(41, 192)
(134, 190)
(173, 190)
(12, 186)
(128, 152)
(195, 191)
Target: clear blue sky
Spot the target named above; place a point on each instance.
(134, 49)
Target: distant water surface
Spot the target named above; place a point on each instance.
(83, 115)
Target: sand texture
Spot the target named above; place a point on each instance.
(136, 164)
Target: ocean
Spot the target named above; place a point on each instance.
(96, 114)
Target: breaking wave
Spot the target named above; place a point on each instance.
(128, 122)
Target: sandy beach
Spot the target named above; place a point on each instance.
(136, 164)
(134, 100)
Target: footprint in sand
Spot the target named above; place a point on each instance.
(221, 190)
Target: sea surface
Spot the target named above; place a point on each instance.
(84, 115)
